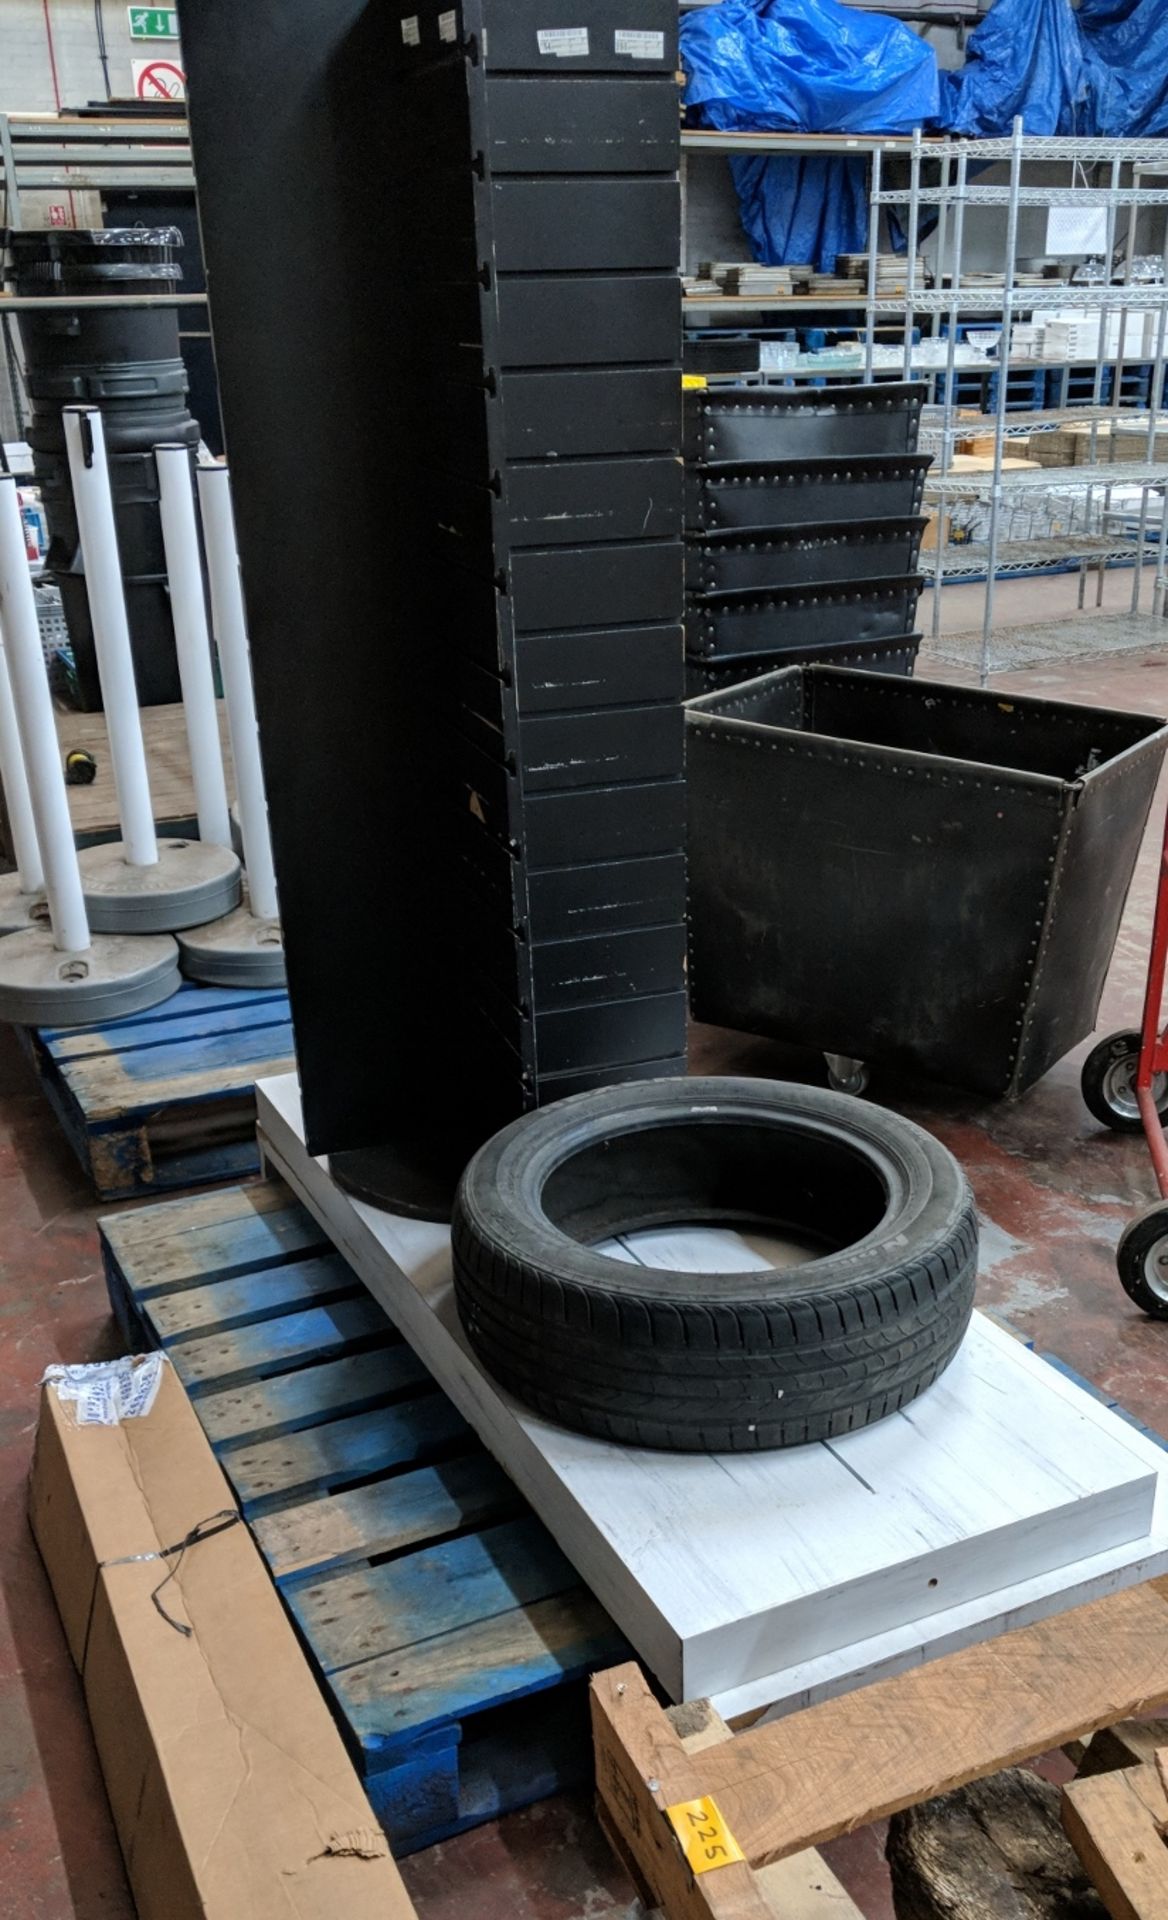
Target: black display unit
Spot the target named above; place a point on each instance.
(443, 268)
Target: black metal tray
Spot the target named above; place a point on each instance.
(762, 557)
(727, 626)
(797, 493)
(897, 655)
(788, 423)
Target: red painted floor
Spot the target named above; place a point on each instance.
(1055, 1192)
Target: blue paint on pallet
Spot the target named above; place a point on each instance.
(165, 1099)
(323, 1459)
(187, 1021)
(445, 1624)
(351, 1617)
(236, 1416)
(294, 1339)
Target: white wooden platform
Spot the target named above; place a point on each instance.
(1003, 1494)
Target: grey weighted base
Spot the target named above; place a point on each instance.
(192, 882)
(20, 910)
(236, 951)
(119, 974)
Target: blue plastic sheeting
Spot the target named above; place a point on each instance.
(806, 66)
(803, 208)
(1130, 39)
(1101, 70)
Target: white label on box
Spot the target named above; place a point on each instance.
(411, 32)
(111, 1391)
(642, 46)
(448, 25)
(567, 43)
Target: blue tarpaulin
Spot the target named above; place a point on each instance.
(809, 207)
(1100, 70)
(806, 66)
(815, 66)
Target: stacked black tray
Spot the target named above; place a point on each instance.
(803, 529)
(519, 250)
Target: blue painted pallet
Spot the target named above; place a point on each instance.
(165, 1099)
(451, 1636)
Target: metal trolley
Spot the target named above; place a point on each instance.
(1125, 1085)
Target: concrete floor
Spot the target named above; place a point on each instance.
(1054, 1190)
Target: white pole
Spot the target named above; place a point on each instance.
(89, 473)
(230, 625)
(17, 798)
(38, 731)
(180, 537)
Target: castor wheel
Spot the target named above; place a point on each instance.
(1142, 1259)
(1108, 1081)
(845, 1075)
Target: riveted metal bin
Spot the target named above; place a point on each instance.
(908, 872)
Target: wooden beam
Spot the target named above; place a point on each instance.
(1116, 1823)
(799, 1781)
(801, 1887)
(642, 1768)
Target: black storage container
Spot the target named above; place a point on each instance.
(127, 362)
(760, 423)
(799, 493)
(760, 557)
(725, 626)
(909, 872)
(895, 655)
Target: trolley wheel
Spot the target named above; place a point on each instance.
(1142, 1259)
(845, 1075)
(1109, 1084)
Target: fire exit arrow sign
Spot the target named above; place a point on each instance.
(153, 23)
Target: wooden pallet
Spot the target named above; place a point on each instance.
(165, 1099)
(452, 1637)
(768, 1794)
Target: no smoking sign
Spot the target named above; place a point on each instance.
(159, 80)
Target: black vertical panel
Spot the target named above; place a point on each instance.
(296, 192)
(468, 651)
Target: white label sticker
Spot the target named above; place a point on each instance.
(111, 1391)
(641, 46)
(411, 32)
(567, 43)
(448, 25)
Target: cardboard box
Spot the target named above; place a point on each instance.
(231, 1790)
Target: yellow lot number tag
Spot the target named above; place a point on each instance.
(706, 1840)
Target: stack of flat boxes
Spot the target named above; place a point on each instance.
(549, 520)
(803, 529)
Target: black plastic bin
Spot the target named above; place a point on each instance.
(767, 557)
(127, 362)
(895, 655)
(800, 493)
(725, 626)
(912, 873)
(788, 423)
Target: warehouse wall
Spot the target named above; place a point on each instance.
(36, 35)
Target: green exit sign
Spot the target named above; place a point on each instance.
(153, 23)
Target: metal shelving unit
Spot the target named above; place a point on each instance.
(48, 152)
(1123, 198)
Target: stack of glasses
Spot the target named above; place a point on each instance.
(803, 529)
